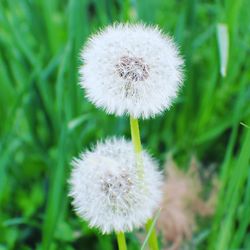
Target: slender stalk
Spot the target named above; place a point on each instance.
(135, 134)
(121, 241)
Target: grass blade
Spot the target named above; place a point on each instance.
(223, 44)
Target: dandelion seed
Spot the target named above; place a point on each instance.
(106, 191)
(131, 69)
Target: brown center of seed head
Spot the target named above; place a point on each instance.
(133, 69)
(114, 186)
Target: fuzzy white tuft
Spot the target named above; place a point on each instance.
(131, 69)
(106, 191)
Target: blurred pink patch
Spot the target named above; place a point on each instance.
(182, 203)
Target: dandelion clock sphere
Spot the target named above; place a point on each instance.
(131, 69)
(106, 190)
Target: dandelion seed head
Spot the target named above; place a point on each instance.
(106, 191)
(131, 69)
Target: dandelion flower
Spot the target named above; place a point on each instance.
(106, 191)
(131, 69)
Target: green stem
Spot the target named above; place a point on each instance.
(121, 241)
(135, 134)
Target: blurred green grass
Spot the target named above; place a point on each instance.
(45, 120)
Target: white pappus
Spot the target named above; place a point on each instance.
(106, 190)
(131, 69)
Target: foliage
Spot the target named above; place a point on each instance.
(45, 120)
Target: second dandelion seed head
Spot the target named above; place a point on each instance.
(107, 191)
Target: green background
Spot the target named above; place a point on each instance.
(45, 119)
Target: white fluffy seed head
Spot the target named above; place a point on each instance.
(106, 191)
(131, 69)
